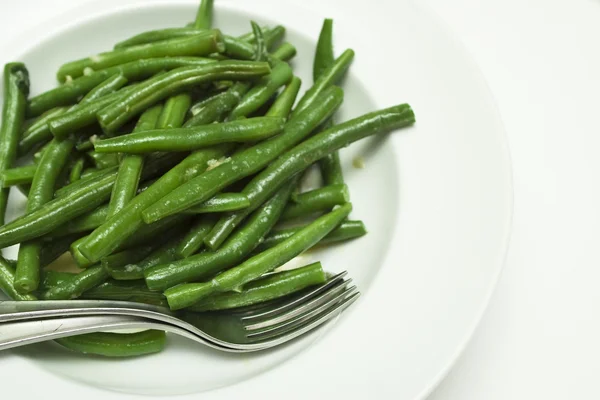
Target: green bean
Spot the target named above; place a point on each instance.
(82, 224)
(241, 244)
(125, 261)
(186, 294)
(106, 238)
(107, 87)
(83, 115)
(285, 101)
(125, 291)
(217, 107)
(324, 57)
(87, 177)
(246, 162)
(7, 279)
(285, 52)
(273, 36)
(194, 239)
(75, 287)
(39, 132)
(69, 93)
(50, 278)
(329, 77)
(204, 15)
(221, 203)
(200, 45)
(16, 90)
(76, 170)
(116, 344)
(271, 287)
(238, 49)
(17, 176)
(60, 210)
(27, 276)
(130, 168)
(53, 249)
(316, 201)
(259, 39)
(304, 155)
(102, 160)
(86, 144)
(346, 231)
(173, 115)
(186, 139)
(249, 36)
(331, 169)
(176, 81)
(160, 35)
(280, 75)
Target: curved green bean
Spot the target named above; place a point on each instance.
(18, 175)
(324, 56)
(173, 82)
(187, 294)
(116, 344)
(316, 201)
(200, 45)
(27, 277)
(272, 287)
(246, 162)
(186, 139)
(16, 90)
(76, 170)
(218, 107)
(285, 101)
(305, 154)
(241, 244)
(204, 15)
(194, 239)
(69, 93)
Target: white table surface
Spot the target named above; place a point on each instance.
(541, 58)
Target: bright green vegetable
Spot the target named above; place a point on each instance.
(324, 57)
(285, 52)
(125, 291)
(52, 278)
(194, 239)
(304, 155)
(241, 244)
(346, 231)
(285, 101)
(7, 279)
(16, 90)
(103, 160)
(186, 139)
(204, 15)
(221, 203)
(39, 132)
(69, 93)
(17, 176)
(125, 261)
(246, 162)
(53, 161)
(190, 293)
(107, 87)
(173, 82)
(174, 112)
(200, 45)
(218, 107)
(116, 344)
(76, 170)
(272, 287)
(73, 288)
(316, 201)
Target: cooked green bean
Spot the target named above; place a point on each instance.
(125, 261)
(39, 132)
(17, 175)
(83, 115)
(194, 239)
(221, 203)
(82, 224)
(7, 279)
(16, 90)
(50, 278)
(204, 15)
(173, 82)
(304, 155)
(186, 139)
(271, 287)
(219, 106)
(316, 201)
(272, 36)
(280, 75)
(241, 244)
(130, 167)
(285, 52)
(346, 231)
(175, 111)
(329, 77)
(285, 101)
(246, 162)
(106, 238)
(76, 170)
(249, 36)
(73, 288)
(201, 45)
(324, 57)
(116, 344)
(159, 36)
(107, 87)
(125, 291)
(87, 177)
(186, 294)
(103, 160)
(27, 277)
(69, 93)
(259, 39)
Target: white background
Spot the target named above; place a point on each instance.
(541, 58)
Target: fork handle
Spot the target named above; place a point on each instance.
(16, 334)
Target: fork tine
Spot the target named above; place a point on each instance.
(301, 308)
(279, 335)
(300, 300)
(300, 320)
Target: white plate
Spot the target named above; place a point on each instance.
(436, 199)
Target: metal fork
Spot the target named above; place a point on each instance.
(244, 330)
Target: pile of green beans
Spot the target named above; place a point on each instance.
(168, 169)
